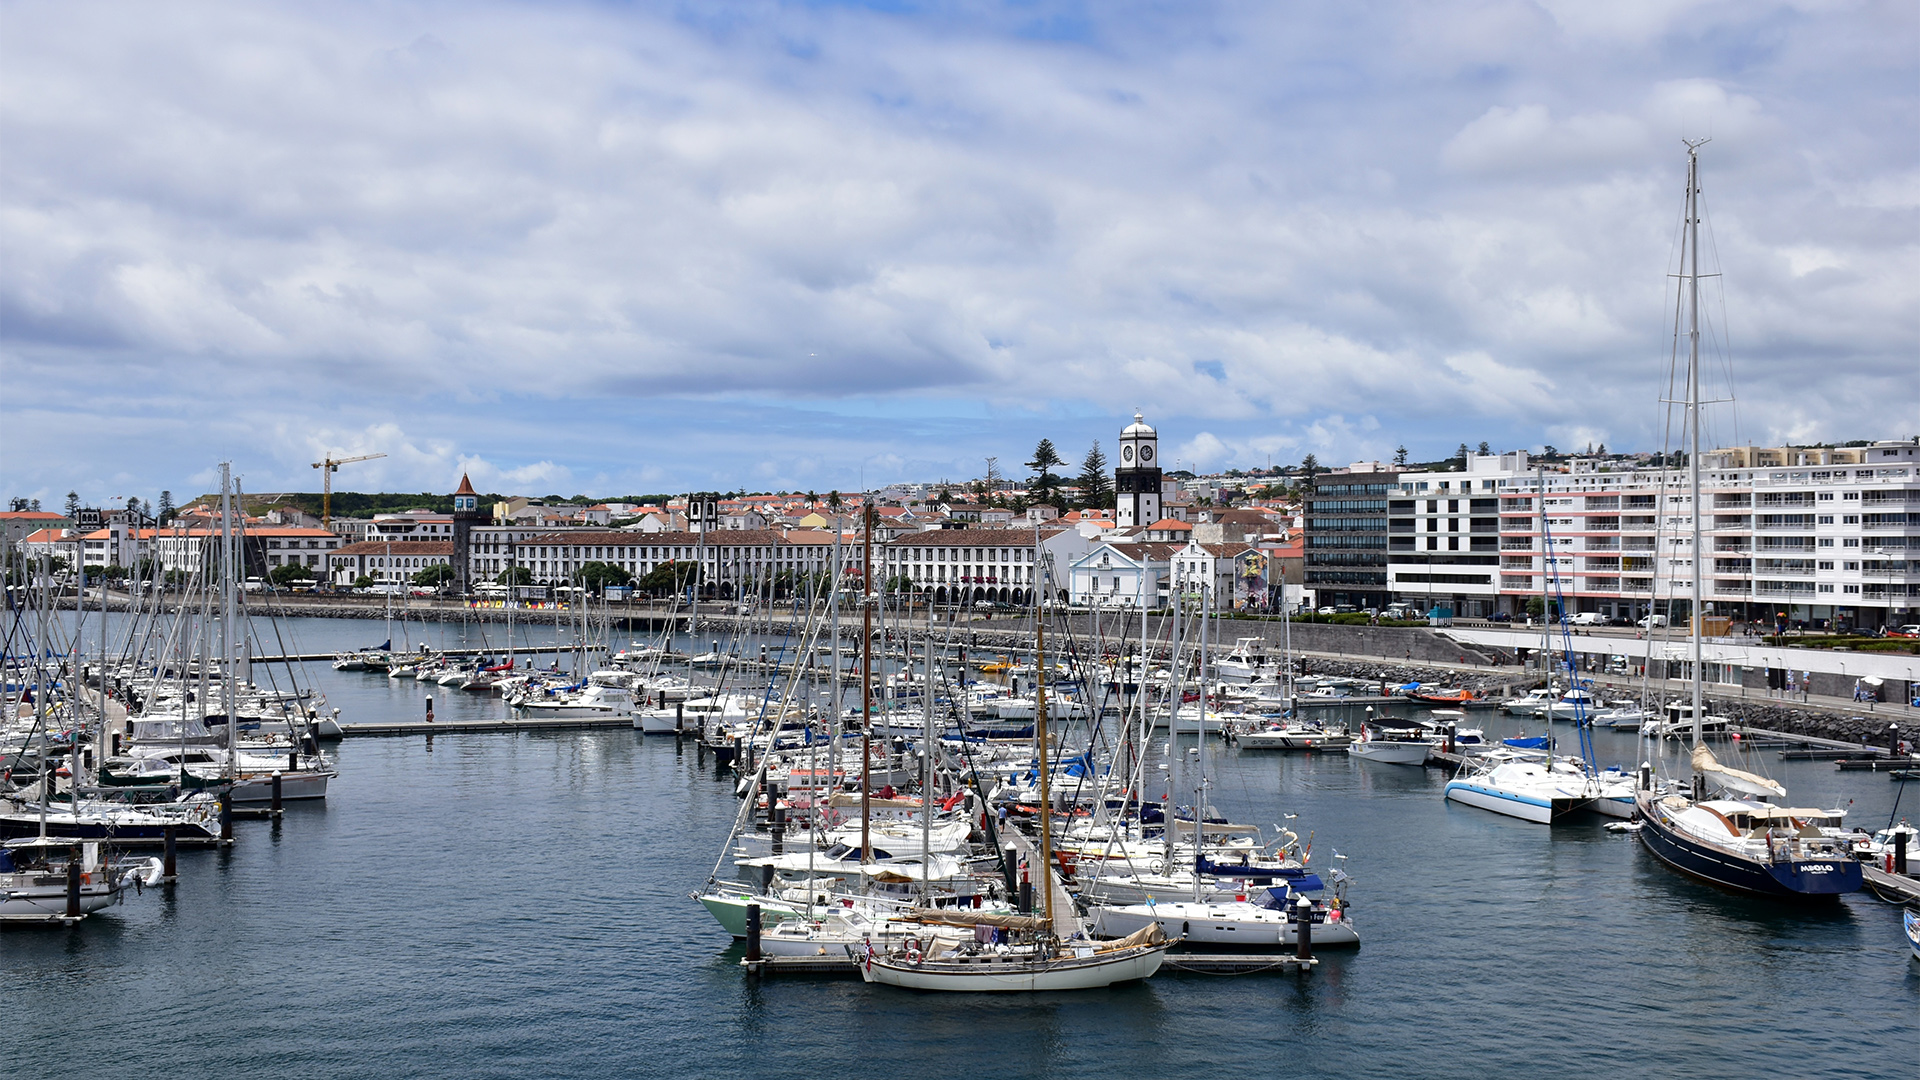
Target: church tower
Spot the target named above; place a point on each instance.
(1136, 480)
(466, 513)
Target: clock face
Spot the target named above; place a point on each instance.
(1146, 453)
(1126, 453)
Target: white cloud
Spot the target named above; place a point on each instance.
(573, 239)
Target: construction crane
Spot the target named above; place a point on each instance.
(327, 467)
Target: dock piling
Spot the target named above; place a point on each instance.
(753, 934)
(1303, 929)
(1900, 853)
(276, 792)
(73, 887)
(169, 858)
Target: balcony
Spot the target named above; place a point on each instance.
(1638, 524)
(1728, 502)
(1603, 543)
(1725, 521)
(1522, 543)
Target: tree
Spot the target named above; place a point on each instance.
(599, 575)
(1400, 457)
(1603, 449)
(73, 504)
(1462, 455)
(669, 577)
(1309, 466)
(431, 577)
(991, 485)
(1096, 487)
(166, 507)
(1550, 451)
(1485, 447)
(945, 494)
(16, 505)
(1044, 486)
(364, 581)
(288, 574)
(514, 575)
(811, 500)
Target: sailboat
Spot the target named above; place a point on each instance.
(1042, 959)
(1739, 841)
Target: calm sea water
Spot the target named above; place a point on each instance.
(516, 905)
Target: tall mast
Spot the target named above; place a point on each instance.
(1693, 408)
(227, 687)
(1040, 737)
(866, 686)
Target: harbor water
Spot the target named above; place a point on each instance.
(516, 905)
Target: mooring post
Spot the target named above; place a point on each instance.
(1303, 929)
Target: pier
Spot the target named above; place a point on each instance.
(464, 727)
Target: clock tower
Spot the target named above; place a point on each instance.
(1136, 480)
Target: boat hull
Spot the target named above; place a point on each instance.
(1390, 753)
(1263, 931)
(1013, 975)
(33, 897)
(1910, 922)
(1800, 879)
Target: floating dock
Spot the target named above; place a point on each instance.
(1898, 888)
(1883, 764)
(466, 727)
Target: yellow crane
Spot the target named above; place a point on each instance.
(327, 467)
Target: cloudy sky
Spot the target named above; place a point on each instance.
(635, 247)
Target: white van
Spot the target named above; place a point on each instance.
(1588, 618)
(1651, 621)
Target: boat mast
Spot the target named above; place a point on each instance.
(1040, 737)
(926, 780)
(1200, 727)
(866, 686)
(1693, 411)
(1547, 568)
(227, 687)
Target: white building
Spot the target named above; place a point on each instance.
(1001, 565)
(1129, 574)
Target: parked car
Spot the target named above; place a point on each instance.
(1910, 630)
(1328, 610)
(1650, 622)
(1500, 616)
(1588, 618)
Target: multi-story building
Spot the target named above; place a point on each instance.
(1346, 557)
(1122, 573)
(1804, 535)
(732, 562)
(1000, 565)
(387, 562)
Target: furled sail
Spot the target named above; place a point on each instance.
(1707, 765)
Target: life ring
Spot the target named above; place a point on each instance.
(913, 950)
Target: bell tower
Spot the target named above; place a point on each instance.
(466, 513)
(1136, 480)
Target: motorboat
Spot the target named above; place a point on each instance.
(1532, 703)
(1248, 661)
(1392, 743)
(37, 886)
(1262, 920)
(1294, 735)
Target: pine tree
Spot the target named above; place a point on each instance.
(1485, 447)
(1096, 487)
(1462, 455)
(1400, 457)
(166, 507)
(1310, 465)
(1043, 488)
(73, 504)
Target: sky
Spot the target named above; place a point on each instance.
(613, 248)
